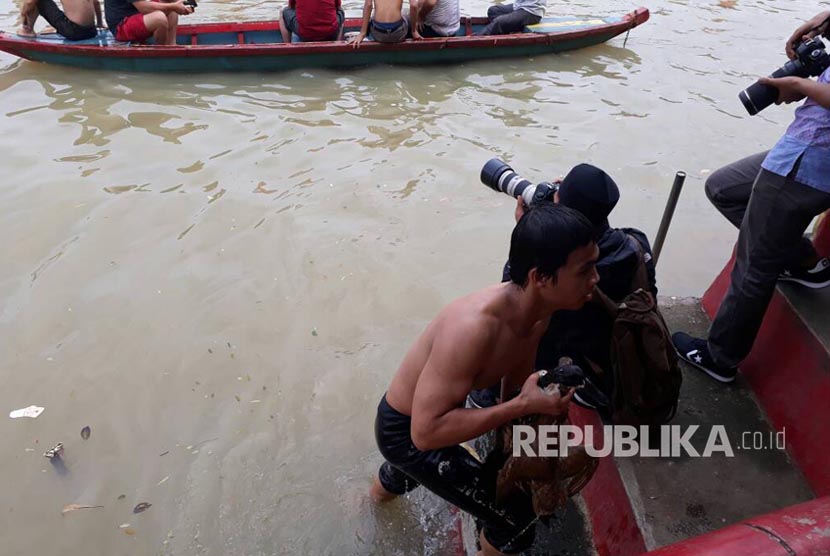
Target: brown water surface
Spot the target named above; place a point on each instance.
(219, 273)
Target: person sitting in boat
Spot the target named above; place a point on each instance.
(385, 21)
(482, 338)
(433, 18)
(585, 335)
(312, 20)
(137, 21)
(79, 20)
(512, 18)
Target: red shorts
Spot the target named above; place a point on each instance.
(132, 29)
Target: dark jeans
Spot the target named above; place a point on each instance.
(62, 24)
(505, 20)
(456, 476)
(289, 16)
(772, 213)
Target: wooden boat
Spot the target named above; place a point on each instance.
(258, 46)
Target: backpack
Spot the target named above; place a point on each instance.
(646, 372)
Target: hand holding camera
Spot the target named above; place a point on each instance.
(499, 176)
(811, 59)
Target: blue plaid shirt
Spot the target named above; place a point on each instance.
(807, 137)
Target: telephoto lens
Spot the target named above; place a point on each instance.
(811, 60)
(499, 176)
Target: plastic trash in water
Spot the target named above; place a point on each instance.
(32, 411)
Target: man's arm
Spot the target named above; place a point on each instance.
(414, 23)
(99, 18)
(456, 359)
(364, 29)
(149, 6)
(793, 89)
(815, 26)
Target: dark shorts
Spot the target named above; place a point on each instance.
(62, 24)
(132, 29)
(389, 32)
(454, 475)
(290, 17)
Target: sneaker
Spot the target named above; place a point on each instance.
(696, 352)
(816, 277)
(591, 397)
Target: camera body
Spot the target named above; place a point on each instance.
(566, 376)
(499, 176)
(811, 60)
(191, 3)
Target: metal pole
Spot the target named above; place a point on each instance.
(668, 213)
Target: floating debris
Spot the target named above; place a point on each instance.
(85, 432)
(123, 525)
(141, 507)
(164, 480)
(129, 532)
(164, 453)
(55, 452)
(74, 507)
(122, 496)
(314, 331)
(32, 412)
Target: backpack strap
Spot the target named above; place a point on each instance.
(640, 279)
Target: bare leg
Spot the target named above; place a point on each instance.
(487, 549)
(286, 35)
(378, 494)
(156, 23)
(28, 16)
(172, 27)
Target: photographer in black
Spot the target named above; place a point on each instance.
(583, 335)
(772, 197)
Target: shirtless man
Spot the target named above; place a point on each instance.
(477, 340)
(79, 20)
(387, 25)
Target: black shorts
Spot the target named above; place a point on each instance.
(49, 11)
(454, 475)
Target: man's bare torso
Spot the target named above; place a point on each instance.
(387, 11)
(81, 12)
(510, 356)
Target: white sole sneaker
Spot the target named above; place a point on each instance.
(813, 285)
(716, 376)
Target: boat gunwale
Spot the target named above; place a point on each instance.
(18, 45)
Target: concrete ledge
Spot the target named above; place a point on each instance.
(789, 371)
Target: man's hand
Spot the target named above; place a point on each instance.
(536, 400)
(807, 31)
(181, 8)
(520, 208)
(789, 88)
(355, 41)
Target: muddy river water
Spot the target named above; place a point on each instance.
(218, 274)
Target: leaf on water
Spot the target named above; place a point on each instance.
(73, 507)
(122, 496)
(130, 532)
(238, 398)
(85, 432)
(141, 507)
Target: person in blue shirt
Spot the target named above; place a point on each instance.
(772, 197)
